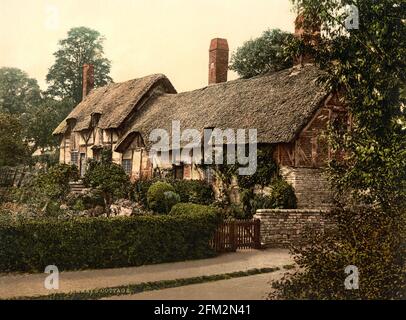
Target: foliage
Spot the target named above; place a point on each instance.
(13, 149)
(48, 158)
(171, 199)
(18, 92)
(374, 248)
(194, 191)
(234, 211)
(41, 120)
(267, 170)
(54, 183)
(108, 177)
(263, 54)
(141, 190)
(89, 199)
(82, 46)
(192, 209)
(157, 198)
(281, 196)
(30, 245)
(366, 67)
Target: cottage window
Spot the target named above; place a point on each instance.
(127, 166)
(74, 157)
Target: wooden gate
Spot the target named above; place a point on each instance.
(237, 234)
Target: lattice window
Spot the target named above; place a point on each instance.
(127, 166)
(74, 157)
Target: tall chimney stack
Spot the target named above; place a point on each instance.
(310, 33)
(88, 79)
(218, 61)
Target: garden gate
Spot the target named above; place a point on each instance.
(237, 234)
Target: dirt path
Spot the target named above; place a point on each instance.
(245, 288)
(33, 284)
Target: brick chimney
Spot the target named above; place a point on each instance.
(310, 34)
(218, 61)
(88, 79)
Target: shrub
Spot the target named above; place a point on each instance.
(89, 199)
(193, 191)
(171, 199)
(192, 209)
(157, 200)
(282, 196)
(365, 238)
(109, 178)
(79, 206)
(30, 245)
(52, 209)
(141, 191)
(54, 184)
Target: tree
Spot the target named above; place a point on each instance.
(83, 45)
(263, 54)
(18, 92)
(43, 119)
(109, 178)
(366, 66)
(13, 149)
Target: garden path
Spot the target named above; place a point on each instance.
(14, 285)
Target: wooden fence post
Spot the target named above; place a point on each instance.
(257, 234)
(233, 239)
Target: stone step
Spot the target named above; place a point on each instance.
(77, 187)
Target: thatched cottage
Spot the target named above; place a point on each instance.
(289, 109)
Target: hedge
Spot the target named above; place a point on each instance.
(80, 243)
(191, 209)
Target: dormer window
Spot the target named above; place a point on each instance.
(71, 123)
(95, 119)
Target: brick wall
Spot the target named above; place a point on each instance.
(311, 186)
(281, 227)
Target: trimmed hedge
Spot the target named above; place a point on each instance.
(80, 243)
(192, 208)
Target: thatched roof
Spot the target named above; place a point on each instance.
(113, 102)
(278, 105)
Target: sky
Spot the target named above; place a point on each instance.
(142, 36)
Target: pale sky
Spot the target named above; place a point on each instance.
(142, 36)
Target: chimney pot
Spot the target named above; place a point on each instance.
(218, 61)
(88, 79)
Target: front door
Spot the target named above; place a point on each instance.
(82, 164)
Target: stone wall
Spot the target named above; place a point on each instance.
(311, 186)
(281, 227)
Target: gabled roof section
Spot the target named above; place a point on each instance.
(278, 105)
(113, 102)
